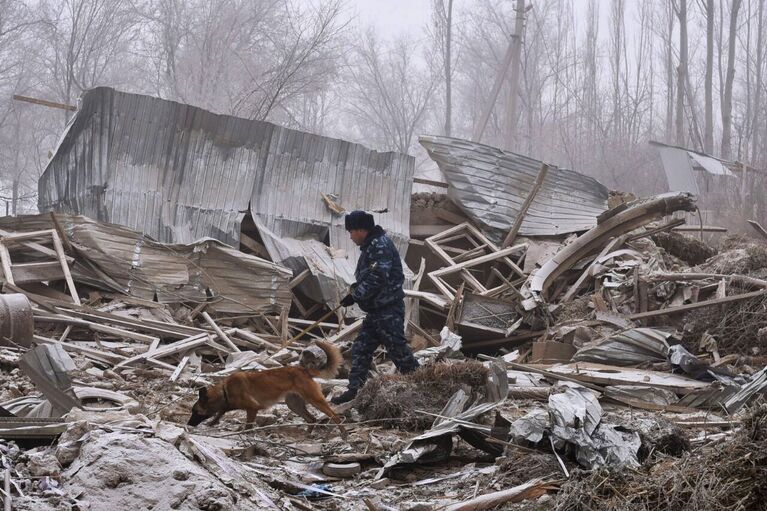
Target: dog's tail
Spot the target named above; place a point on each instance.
(335, 359)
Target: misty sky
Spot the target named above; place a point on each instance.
(391, 17)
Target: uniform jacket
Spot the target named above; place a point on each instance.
(379, 272)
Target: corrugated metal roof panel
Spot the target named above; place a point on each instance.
(490, 185)
(179, 173)
(173, 272)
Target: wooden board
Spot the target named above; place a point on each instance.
(610, 375)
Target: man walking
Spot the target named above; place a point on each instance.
(378, 291)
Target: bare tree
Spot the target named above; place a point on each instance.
(726, 149)
(83, 43)
(389, 93)
(708, 139)
(680, 7)
(760, 71)
(443, 33)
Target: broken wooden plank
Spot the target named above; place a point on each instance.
(45, 102)
(602, 374)
(57, 246)
(179, 368)
(96, 327)
(221, 334)
(532, 489)
(696, 228)
(251, 337)
(36, 246)
(525, 206)
(254, 246)
(612, 245)
(699, 305)
(758, 228)
(98, 355)
(177, 347)
(738, 279)
(5, 260)
(298, 279)
(429, 182)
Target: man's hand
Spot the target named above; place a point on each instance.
(347, 301)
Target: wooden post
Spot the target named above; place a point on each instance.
(525, 206)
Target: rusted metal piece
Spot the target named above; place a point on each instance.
(17, 326)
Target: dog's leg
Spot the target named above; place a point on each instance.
(252, 410)
(297, 405)
(216, 418)
(313, 395)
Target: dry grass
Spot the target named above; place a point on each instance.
(398, 396)
(688, 249)
(735, 326)
(727, 476)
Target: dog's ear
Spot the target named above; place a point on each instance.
(203, 394)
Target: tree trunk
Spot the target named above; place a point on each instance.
(516, 68)
(669, 74)
(708, 139)
(681, 76)
(730, 78)
(759, 80)
(448, 69)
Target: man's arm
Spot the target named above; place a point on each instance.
(380, 263)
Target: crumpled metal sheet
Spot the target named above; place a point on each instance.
(178, 174)
(627, 348)
(574, 418)
(532, 426)
(490, 185)
(450, 343)
(119, 259)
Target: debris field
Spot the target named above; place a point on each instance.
(593, 360)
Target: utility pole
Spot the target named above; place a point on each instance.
(517, 39)
(511, 59)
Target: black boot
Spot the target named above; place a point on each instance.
(345, 397)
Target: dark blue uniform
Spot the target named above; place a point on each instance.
(379, 293)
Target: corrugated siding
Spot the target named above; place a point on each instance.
(179, 173)
(172, 272)
(490, 186)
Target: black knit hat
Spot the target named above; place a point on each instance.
(359, 220)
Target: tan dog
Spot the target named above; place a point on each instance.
(259, 390)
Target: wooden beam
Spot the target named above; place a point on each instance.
(429, 182)
(697, 228)
(758, 227)
(35, 246)
(525, 206)
(254, 246)
(699, 305)
(221, 334)
(449, 216)
(45, 102)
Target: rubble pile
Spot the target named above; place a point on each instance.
(578, 351)
(622, 359)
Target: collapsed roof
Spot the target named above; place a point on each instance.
(179, 173)
(490, 185)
